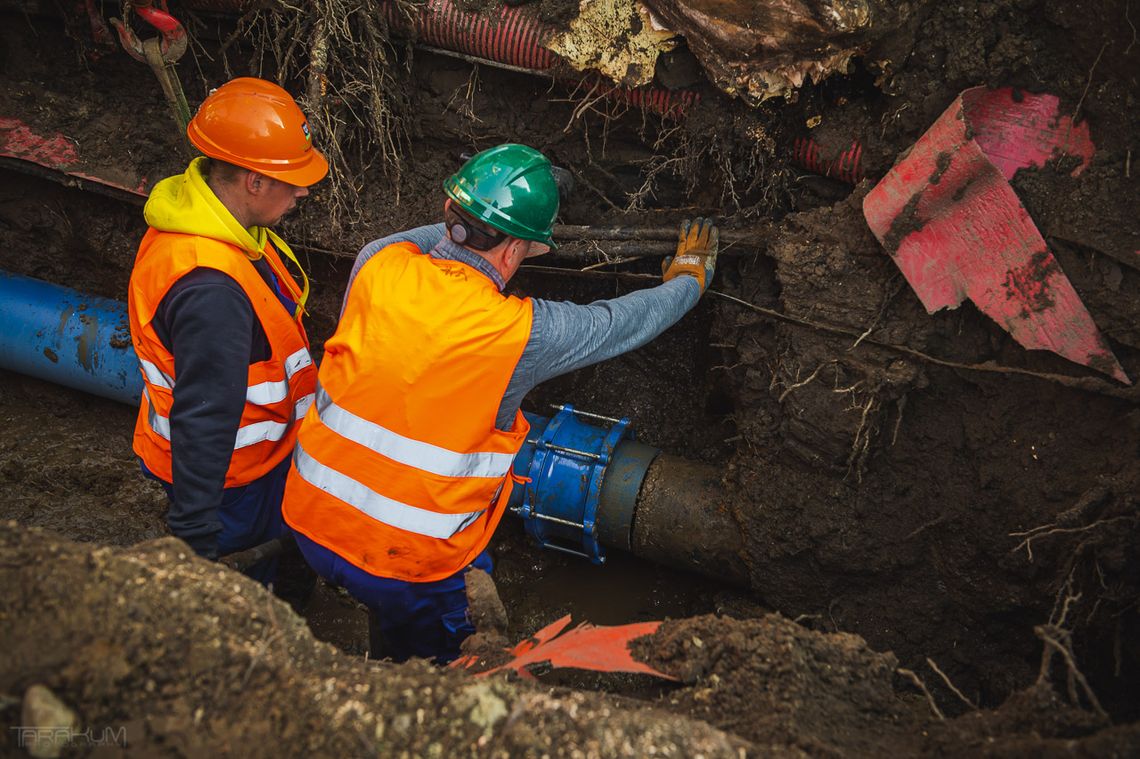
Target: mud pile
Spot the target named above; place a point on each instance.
(193, 659)
(773, 681)
(189, 658)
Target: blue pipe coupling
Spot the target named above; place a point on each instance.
(67, 337)
(581, 482)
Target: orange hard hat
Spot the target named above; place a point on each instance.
(257, 125)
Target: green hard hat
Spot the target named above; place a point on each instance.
(511, 188)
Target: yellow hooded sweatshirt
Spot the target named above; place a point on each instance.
(185, 204)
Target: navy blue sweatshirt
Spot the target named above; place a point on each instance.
(208, 323)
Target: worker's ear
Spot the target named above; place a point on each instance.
(255, 183)
(519, 250)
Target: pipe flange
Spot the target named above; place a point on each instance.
(567, 472)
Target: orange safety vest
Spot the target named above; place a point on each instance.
(280, 388)
(399, 468)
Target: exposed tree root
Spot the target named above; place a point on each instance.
(1059, 641)
(925, 526)
(732, 167)
(1052, 529)
(798, 383)
(900, 407)
(340, 49)
(864, 434)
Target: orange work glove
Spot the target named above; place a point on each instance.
(696, 252)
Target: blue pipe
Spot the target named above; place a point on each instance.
(64, 336)
(591, 484)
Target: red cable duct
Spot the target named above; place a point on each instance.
(844, 166)
(515, 37)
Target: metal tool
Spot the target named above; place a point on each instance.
(160, 53)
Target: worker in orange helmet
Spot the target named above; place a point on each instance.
(215, 316)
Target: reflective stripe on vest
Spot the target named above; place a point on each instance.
(381, 508)
(261, 394)
(156, 376)
(249, 434)
(267, 393)
(159, 424)
(405, 450)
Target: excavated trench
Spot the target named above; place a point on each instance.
(916, 510)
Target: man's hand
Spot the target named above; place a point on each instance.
(696, 252)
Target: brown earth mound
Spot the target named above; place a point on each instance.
(192, 659)
(195, 660)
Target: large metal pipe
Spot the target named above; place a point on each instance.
(589, 483)
(70, 338)
(684, 519)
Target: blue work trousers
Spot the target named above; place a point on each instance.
(406, 619)
(250, 515)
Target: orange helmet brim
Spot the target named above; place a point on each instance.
(313, 171)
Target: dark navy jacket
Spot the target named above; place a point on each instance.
(208, 323)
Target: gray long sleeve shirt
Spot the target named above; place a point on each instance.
(564, 336)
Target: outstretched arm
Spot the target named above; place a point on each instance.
(568, 336)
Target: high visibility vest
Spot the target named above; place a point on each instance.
(399, 468)
(280, 389)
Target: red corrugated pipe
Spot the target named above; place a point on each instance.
(657, 99)
(844, 166)
(514, 38)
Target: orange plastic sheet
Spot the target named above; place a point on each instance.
(598, 649)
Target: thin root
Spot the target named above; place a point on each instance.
(922, 687)
(1058, 640)
(900, 404)
(953, 688)
(803, 382)
(1050, 529)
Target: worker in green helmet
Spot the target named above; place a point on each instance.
(402, 468)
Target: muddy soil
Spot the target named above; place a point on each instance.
(192, 659)
(913, 482)
(181, 657)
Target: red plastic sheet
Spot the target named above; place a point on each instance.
(948, 216)
(55, 152)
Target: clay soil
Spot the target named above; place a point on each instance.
(920, 523)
